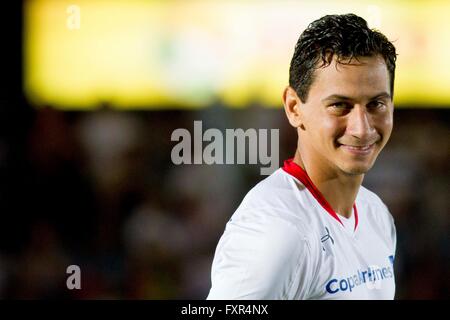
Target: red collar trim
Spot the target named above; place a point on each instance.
(297, 172)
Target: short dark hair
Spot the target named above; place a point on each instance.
(347, 36)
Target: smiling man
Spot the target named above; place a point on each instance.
(310, 230)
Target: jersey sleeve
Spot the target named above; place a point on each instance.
(261, 259)
(389, 224)
(392, 231)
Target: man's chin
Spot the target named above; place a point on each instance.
(356, 170)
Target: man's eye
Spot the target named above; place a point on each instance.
(341, 105)
(376, 104)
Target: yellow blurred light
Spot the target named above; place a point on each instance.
(133, 54)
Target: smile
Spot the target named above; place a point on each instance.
(359, 150)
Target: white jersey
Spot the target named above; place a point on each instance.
(286, 242)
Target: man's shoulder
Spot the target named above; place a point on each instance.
(370, 198)
(277, 189)
(271, 185)
(277, 200)
(374, 205)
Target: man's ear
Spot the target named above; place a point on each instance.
(292, 104)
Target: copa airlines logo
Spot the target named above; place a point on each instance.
(372, 277)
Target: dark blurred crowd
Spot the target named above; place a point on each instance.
(99, 190)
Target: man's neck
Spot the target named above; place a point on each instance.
(339, 189)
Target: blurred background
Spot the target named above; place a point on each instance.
(93, 91)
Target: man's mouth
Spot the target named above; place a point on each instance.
(358, 149)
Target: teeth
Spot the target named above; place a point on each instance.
(360, 148)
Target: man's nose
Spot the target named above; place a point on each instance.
(359, 123)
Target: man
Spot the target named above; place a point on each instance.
(310, 230)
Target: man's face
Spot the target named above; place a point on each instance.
(348, 116)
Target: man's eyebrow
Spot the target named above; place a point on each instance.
(381, 95)
(341, 97)
(336, 97)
